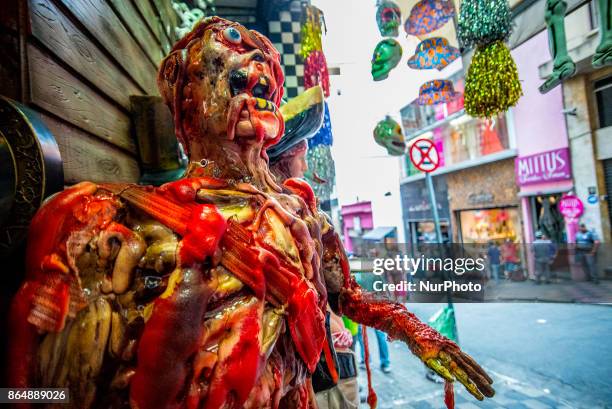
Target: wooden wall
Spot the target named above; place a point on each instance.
(77, 62)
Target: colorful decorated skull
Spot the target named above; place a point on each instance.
(388, 18)
(388, 134)
(387, 55)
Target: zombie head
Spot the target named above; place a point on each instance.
(223, 82)
(387, 55)
(388, 134)
(388, 18)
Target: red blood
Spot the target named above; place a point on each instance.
(449, 395)
(203, 234)
(23, 339)
(236, 375)
(372, 398)
(301, 188)
(171, 337)
(53, 223)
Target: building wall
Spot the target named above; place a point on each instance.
(76, 63)
(587, 170)
(539, 123)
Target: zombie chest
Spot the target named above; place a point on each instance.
(196, 290)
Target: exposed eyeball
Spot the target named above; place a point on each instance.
(232, 35)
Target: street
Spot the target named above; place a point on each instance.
(539, 355)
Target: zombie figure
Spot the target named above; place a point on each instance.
(387, 55)
(206, 292)
(388, 18)
(388, 134)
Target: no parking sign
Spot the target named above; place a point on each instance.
(424, 155)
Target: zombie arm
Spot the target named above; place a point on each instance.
(436, 351)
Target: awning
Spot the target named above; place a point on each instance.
(379, 233)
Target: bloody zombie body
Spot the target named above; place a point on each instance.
(207, 292)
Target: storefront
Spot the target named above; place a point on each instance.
(543, 178)
(483, 202)
(416, 207)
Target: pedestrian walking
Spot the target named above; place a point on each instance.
(544, 252)
(383, 350)
(587, 244)
(494, 257)
(510, 258)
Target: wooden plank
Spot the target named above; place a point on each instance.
(135, 24)
(51, 27)
(87, 158)
(100, 20)
(147, 11)
(169, 18)
(59, 92)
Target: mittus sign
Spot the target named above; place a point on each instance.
(543, 167)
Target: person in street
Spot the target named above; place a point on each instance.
(587, 244)
(366, 280)
(383, 350)
(510, 258)
(544, 252)
(494, 257)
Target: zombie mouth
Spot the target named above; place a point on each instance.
(250, 116)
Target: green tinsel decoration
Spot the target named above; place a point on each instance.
(483, 21)
(492, 84)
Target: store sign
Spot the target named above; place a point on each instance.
(481, 198)
(571, 207)
(543, 167)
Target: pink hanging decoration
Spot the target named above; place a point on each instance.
(315, 71)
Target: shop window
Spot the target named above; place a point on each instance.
(547, 218)
(603, 96)
(485, 225)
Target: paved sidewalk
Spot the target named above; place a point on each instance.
(516, 388)
(557, 291)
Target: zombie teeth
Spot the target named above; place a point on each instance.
(264, 105)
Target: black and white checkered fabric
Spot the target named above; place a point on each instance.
(284, 32)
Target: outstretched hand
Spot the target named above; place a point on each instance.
(452, 364)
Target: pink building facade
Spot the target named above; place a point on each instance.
(356, 218)
(542, 166)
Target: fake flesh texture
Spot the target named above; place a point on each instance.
(206, 292)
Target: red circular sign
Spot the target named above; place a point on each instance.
(424, 155)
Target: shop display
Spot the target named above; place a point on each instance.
(387, 55)
(483, 22)
(436, 92)
(209, 291)
(563, 66)
(433, 53)
(428, 15)
(388, 134)
(603, 53)
(311, 49)
(492, 84)
(388, 18)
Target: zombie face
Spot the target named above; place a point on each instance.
(387, 55)
(223, 82)
(388, 134)
(388, 18)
